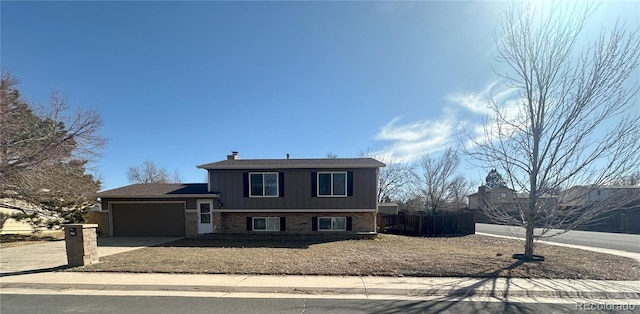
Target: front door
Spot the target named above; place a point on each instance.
(205, 223)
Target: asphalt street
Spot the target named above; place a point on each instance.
(615, 241)
(164, 304)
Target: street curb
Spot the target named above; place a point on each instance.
(460, 292)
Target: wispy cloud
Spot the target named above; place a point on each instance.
(410, 141)
(462, 112)
(477, 103)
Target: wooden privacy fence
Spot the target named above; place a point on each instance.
(619, 221)
(427, 226)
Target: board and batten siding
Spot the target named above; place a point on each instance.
(297, 190)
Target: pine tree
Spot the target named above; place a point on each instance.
(494, 180)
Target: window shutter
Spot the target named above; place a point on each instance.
(314, 223)
(281, 184)
(249, 224)
(349, 223)
(283, 224)
(245, 184)
(314, 184)
(350, 183)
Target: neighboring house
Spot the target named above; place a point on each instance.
(11, 226)
(505, 199)
(8, 225)
(388, 208)
(580, 195)
(254, 196)
(618, 207)
(502, 197)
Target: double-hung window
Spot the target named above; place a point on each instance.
(263, 184)
(332, 184)
(332, 223)
(266, 223)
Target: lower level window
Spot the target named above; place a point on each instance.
(266, 223)
(332, 223)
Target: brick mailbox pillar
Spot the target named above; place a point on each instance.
(82, 244)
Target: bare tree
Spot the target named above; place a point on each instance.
(459, 188)
(176, 177)
(148, 172)
(632, 179)
(396, 180)
(413, 204)
(44, 152)
(573, 122)
(439, 176)
(32, 136)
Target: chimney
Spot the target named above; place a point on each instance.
(233, 156)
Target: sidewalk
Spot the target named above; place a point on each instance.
(36, 269)
(331, 285)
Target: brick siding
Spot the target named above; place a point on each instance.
(297, 223)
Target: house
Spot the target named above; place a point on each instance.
(505, 199)
(581, 195)
(9, 225)
(336, 196)
(502, 197)
(617, 208)
(388, 208)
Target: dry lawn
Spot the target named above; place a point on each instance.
(387, 255)
(12, 240)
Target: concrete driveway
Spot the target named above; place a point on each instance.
(52, 256)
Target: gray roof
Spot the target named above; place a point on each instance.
(320, 163)
(604, 187)
(158, 190)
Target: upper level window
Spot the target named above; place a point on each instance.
(263, 184)
(332, 184)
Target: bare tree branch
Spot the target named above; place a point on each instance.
(395, 180)
(148, 172)
(441, 185)
(573, 123)
(44, 152)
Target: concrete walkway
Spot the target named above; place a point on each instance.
(51, 256)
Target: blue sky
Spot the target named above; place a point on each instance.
(185, 83)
